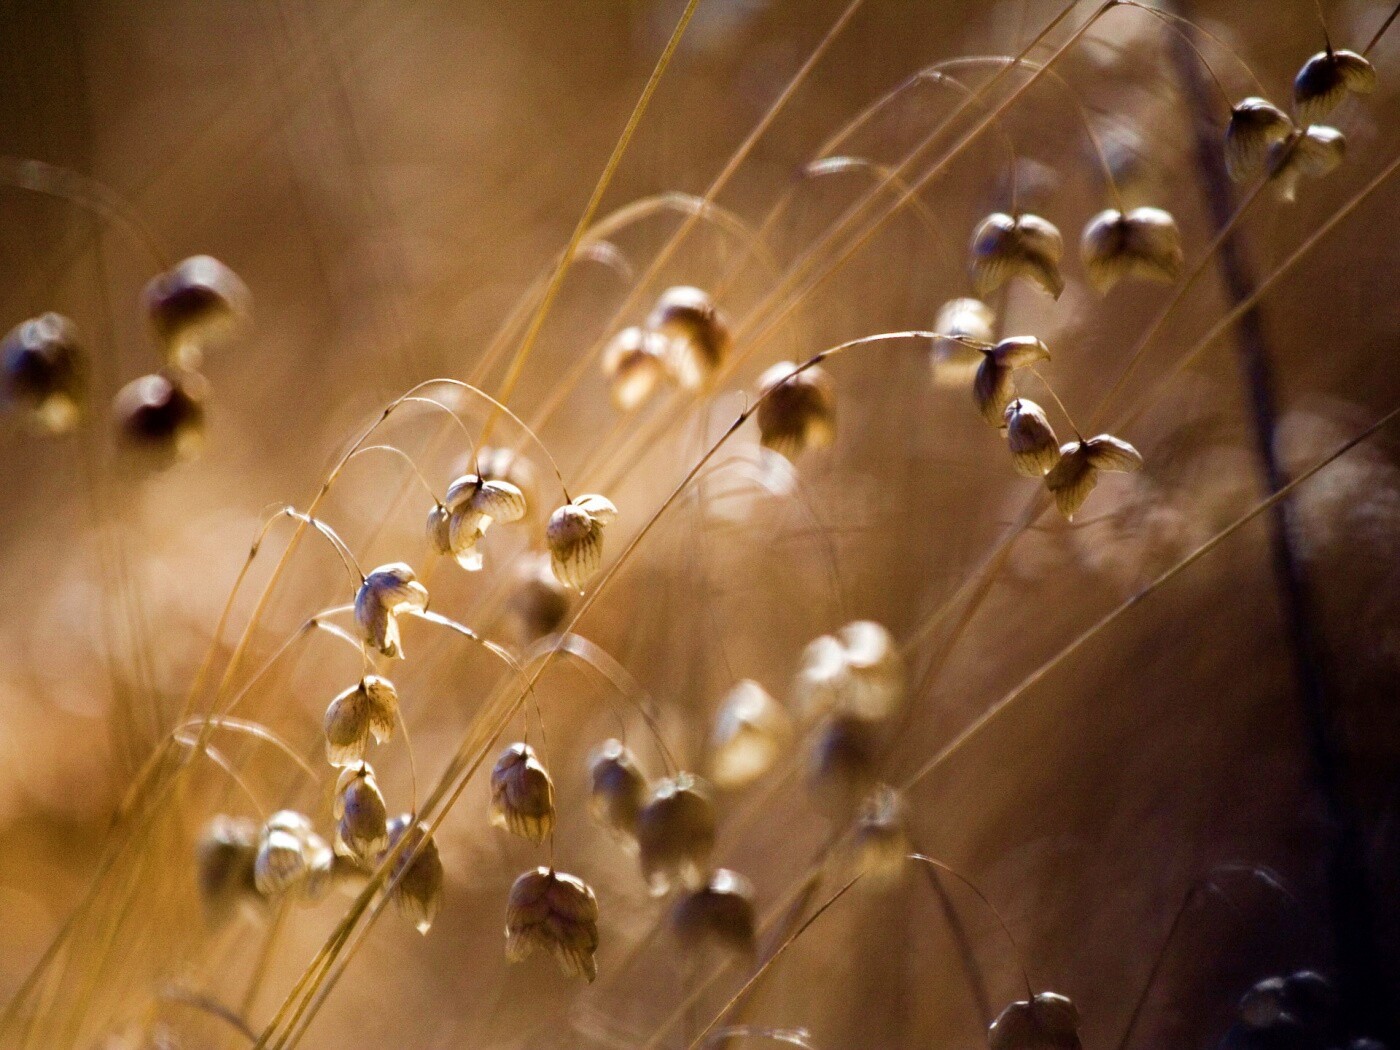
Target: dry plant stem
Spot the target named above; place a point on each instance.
(1380, 32)
(1183, 28)
(210, 1006)
(976, 984)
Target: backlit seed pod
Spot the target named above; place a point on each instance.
(1026, 246)
(225, 857)
(160, 417)
(618, 790)
(752, 731)
(881, 842)
(472, 503)
(1256, 126)
(556, 912)
(368, 709)
(575, 538)
(720, 914)
(418, 893)
(993, 387)
(1310, 997)
(44, 372)
(1047, 1022)
(1034, 448)
(362, 830)
(1077, 472)
(288, 851)
(635, 364)
(387, 592)
(857, 671)
(539, 603)
(1326, 78)
(1310, 154)
(696, 333)
(198, 302)
(675, 833)
(522, 794)
(1143, 242)
(954, 361)
(842, 763)
(797, 411)
(1263, 1004)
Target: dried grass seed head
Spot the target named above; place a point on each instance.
(881, 840)
(617, 788)
(1027, 246)
(575, 538)
(558, 913)
(1326, 78)
(994, 385)
(856, 671)
(368, 709)
(1034, 448)
(843, 761)
(1310, 154)
(1143, 242)
(418, 893)
(386, 593)
(539, 603)
(197, 302)
(45, 372)
(798, 411)
(696, 332)
(635, 363)
(1256, 127)
(1077, 472)
(225, 858)
(675, 833)
(955, 361)
(362, 820)
(291, 856)
(752, 731)
(160, 417)
(472, 503)
(1047, 1022)
(720, 914)
(522, 794)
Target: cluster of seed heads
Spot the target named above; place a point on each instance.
(684, 341)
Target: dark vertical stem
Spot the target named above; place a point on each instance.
(1360, 978)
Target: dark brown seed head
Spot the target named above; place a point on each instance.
(44, 371)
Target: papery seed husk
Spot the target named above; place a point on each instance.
(697, 334)
(618, 788)
(1072, 479)
(198, 301)
(418, 889)
(1107, 452)
(796, 411)
(955, 362)
(575, 538)
(1047, 1022)
(1256, 125)
(752, 731)
(720, 913)
(280, 862)
(225, 860)
(160, 417)
(1324, 80)
(386, 592)
(675, 833)
(1144, 243)
(876, 671)
(362, 830)
(1026, 246)
(1034, 448)
(634, 362)
(1263, 1004)
(555, 911)
(522, 794)
(1314, 153)
(45, 371)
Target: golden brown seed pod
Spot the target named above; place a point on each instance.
(720, 914)
(696, 334)
(225, 858)
(618, 790)
(1025, 246)
(418, 893)
(993, 387)
(362, 831)
(387, 592)
(675, 833)
(557, 912)
(954, 360)
(1310, 154)
(575, 538)
(367, 709)
(472, 503)
(752, 731)
(44, 372)
(857, 671)
(194, 304)
(539, 604)
(842, 763)
(522, 794)
(1034, 448)
(881, 841)
(1077, 472)
(635, 364)
(160, 417)
(1256, 126)
(290, 855)
(797, 411)
(1143, 242)
(1046, 1022)
(1325, 80)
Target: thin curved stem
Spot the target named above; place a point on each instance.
(1179, 25)
(427, 486)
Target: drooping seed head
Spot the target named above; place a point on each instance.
(160, 417)
(635, 364)
(291, 856)
(1025, 246)
(842, 765)
(197, 302)
(696, 332)
(362, 830)
(618, 790)
(797, 411)
(1310, 998)
(856, 671)
(1034, 448)
(388, 592)
(1143, 242)
(522, 794)
(675, 833)
(752, 731)
(472, 503)
(719, 914)
(1077, 472)
(539, 603)
(955, 361)
(881, 840)
(994, 385)
(1046, 1022)
(418, 893)
(575, 538)
(44, 372)
(1256, 127)
(225, 859)
(1325, 80)
(1263, 1004)
(1310, 154)
(367, 709)
(556, 912)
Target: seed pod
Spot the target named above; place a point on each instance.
(857, 671)
(225, 857)
(696, 333)
(1026, 246)
(881, 843)
(557, 912)
(539, 603)
(796, 411)
(472, 503)
(1144, 242)
(362, 822)
(720, 914)
(522, 794)
(675, 833)
(45, 372)
(1256, 126)
(575, 538)
(197, 302)
(635, 363)
(1034, 447)
(993, 387)
(1310, 154)
(1047, 1022)
(368, 709)
(1263, 1005)
(618, 789)
(955, 362)
(386, 593)
(418, 893)
(289, 851)
(1326, 78)
(160, 417)
(1310, 998)
(752, 731)
(1077, 472)
(842, 763)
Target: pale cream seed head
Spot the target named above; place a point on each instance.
(1026, 246)
(558, 913)
(617, 788)
(1034, 448)
(471, 505)
(1326, 78)
(798, 411)
(635, 364)
(857, 671)
(696, 333)
(720, 914)
(386, 593)
(45, 372)
(994, 385)
(574, 535)
(366, 710)
(225, 859)
(955, 361)
(362, 820)
(196, 303)
(290, 855)
(675, 833)
(1311, 154)
(522, 794)
(1144, 242)
(752, 731)
(1256, 126)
